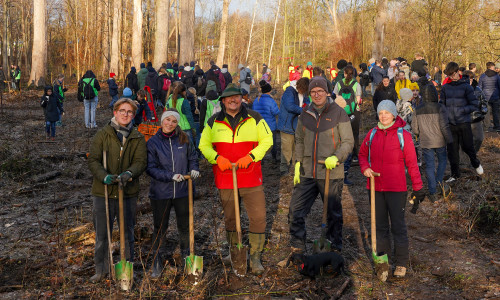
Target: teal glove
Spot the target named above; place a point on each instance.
(110, 179)
(331, 162)
(296, 176)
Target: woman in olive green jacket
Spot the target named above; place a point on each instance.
(126, 158)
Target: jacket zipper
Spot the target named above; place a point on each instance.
(315, 146)
(173, 162)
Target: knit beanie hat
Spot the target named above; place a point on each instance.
(341, 64)
(192, 63)
(309, 63)
(133, 70)
(389, 106)
(265, 87)
(406, 94)
(240, 66)
(111, 75)
(168, 113)
(143, 65)
(318, 81)
(127, 92)
(414, 86)
(224, 66)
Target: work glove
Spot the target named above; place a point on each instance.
(296, 176)
(194, 174)
(110, 179)
(178, 178)
(331, 162)
(125, 177)
(223, 163)
(416, 198)
(244, 162)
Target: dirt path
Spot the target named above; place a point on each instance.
(46, 231)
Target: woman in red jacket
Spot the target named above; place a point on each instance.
(384, 153)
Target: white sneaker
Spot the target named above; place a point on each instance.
(451, 179)
(480, 170)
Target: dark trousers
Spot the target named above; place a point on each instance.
(101, 253)
(392, 205)
(274, 149)
(303, 197)
(462, 137)
(161, 216)
(355, 122)
(495, 112)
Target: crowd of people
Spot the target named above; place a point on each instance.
(209, 115)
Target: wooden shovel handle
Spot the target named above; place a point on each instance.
(122, 221)
(236, 203)
(372, 210)
(191, 217)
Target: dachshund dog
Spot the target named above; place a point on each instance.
(310, 265)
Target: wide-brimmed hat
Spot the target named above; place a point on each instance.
(231, 90)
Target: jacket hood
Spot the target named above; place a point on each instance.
(89, 74)
(143, 71)
(152, 74)
(463, 80)
(169, 66)
(151, 69)
(46, 88)
(429, 94)
(397, 123)
(133, 70)
(199, 72)
(248, 70)
(490, 73)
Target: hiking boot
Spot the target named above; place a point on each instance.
(451, 179)
(400, 272)
(256, 241)
(347, 181)
(433, 198)
(157, 267)
(479, 170)
(97, 277)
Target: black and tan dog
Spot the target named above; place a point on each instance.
(311, 265)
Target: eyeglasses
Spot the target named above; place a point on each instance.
(126, 112)
(318, 93)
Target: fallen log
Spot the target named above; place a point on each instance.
(341, 289)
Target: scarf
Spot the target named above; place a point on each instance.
(121, 132)
(385, 127)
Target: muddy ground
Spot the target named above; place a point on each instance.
(47, 239)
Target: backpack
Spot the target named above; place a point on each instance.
(248, 78)
(88, 89)
(211, 86)
(79, 94)
(166, 84)
(479, 114)
(347, 92)
(222, 80)
(372, 134)
(215, 106)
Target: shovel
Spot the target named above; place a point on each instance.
(111, 266)
(323, 244)
(124, 270)
(380, 259)
(239, 252)
(193, 264)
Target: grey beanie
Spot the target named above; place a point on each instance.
(389, 106)
(168, 113)
(318, 81)
(406, 94)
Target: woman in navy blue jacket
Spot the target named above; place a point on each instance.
(293, 100)
(268, 109)
(171, 155)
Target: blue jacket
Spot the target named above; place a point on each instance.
(290, 110)
(142, 106)
(489, 82)
(267, 108)
(377, 74)
(460, 101)
(167, 157)
(113, 87)
(52, 107)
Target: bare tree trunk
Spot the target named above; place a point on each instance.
(274, 32)
(251, 30)
(137, 34)
(105, 38)
(177, 21)
(39, 54)
(161, 34)
(187, 31)
(333, 12)
(378, 43)
(5, 40)
(223, 30)
(115, 43)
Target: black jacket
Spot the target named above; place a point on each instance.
(385, 93)
(132, 82)
(51, 106)
(151, 81)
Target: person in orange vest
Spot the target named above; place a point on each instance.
(308, 72)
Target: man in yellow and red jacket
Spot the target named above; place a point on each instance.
(241, 136)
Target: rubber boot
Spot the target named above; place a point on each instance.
(232, 240)
(256, 246)
(157, 267)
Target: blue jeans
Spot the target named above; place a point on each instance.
(90, 107)
(434, 176)
(113, 101)
(50, 128)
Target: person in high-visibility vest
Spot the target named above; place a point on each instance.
(179, 101)
(308, 72)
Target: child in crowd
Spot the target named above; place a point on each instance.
(51, 108)
(113, 89)
(142, 108)
(416, 99)
(404, 106)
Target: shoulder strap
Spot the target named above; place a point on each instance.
(372, 134)
(400, 138)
